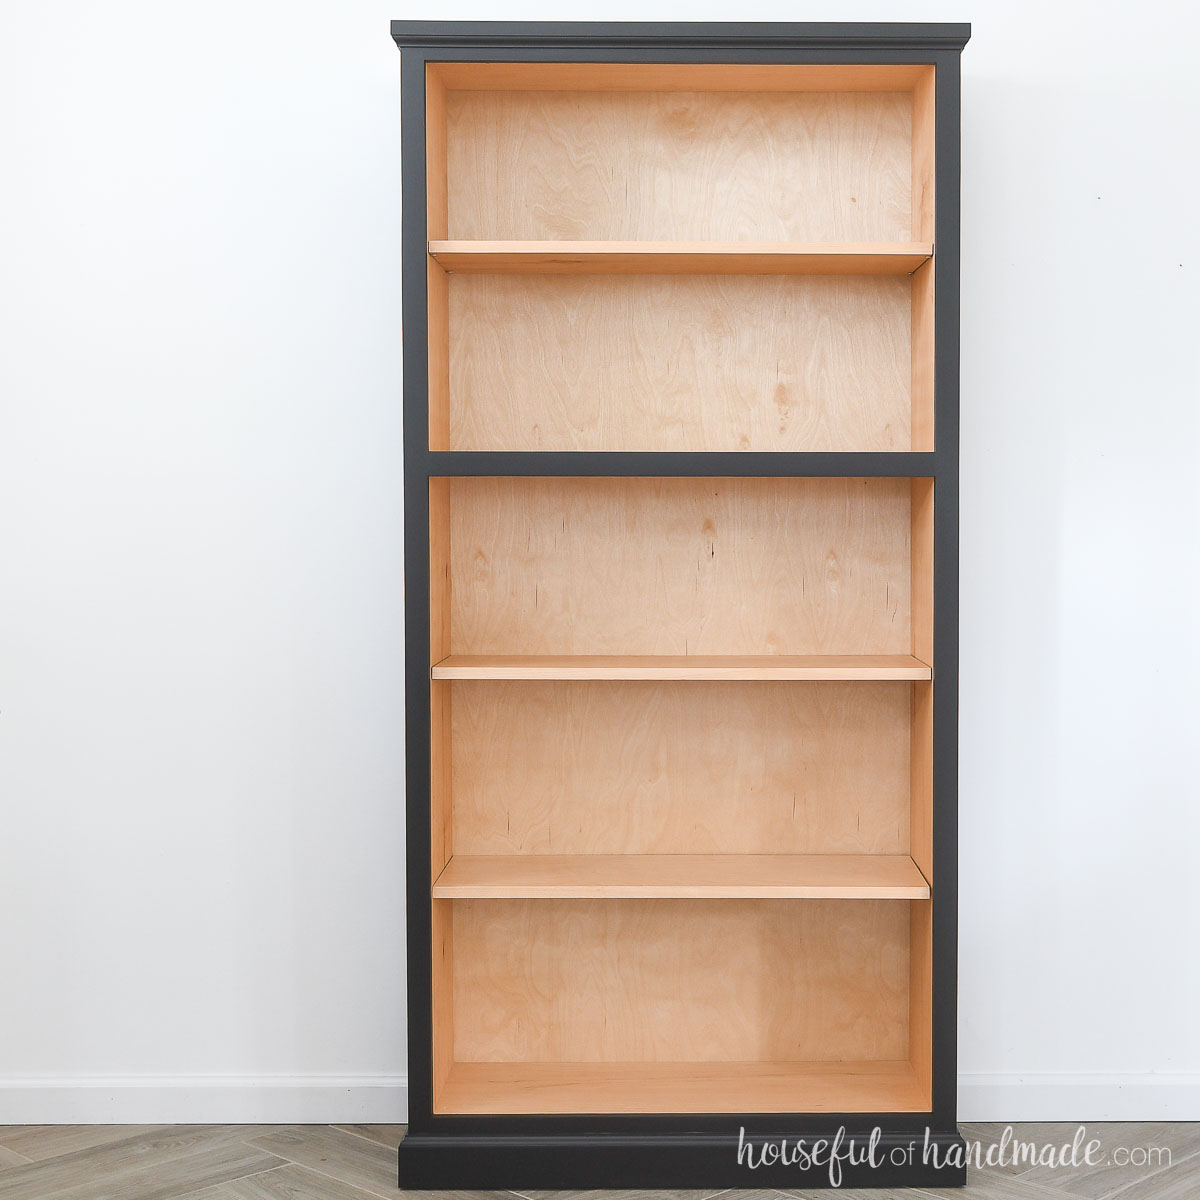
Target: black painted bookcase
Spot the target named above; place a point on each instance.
(681, 481)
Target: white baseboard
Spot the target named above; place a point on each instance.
(383, 1099)
(1079, 1097)
(205, 1100)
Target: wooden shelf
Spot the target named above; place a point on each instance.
(681, 258)
(691, 666)
(691, 876)
(682, 1087)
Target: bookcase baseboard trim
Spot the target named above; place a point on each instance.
(694, 1160)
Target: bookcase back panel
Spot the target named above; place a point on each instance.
(681, 768)
(679, 566)
(680, 981)
(687, 166)
(676, 362)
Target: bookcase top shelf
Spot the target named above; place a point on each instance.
(687, 876)
(692, 666)
(680, 258)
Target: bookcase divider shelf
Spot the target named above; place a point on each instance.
(681, 705)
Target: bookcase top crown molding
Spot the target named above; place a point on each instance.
(783, 35)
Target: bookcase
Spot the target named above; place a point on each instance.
(681, 484)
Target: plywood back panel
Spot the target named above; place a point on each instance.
(675, 362)
(679, 566)
(680, 980)
(681, 768)
(690, 166)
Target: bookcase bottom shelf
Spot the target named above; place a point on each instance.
(682, 1087)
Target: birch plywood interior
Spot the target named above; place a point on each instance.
(732, 566)
(681, 456)
(778, 363)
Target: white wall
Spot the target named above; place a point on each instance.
(200, 576)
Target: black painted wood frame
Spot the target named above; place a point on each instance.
(663, 1150)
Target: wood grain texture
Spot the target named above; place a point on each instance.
(168, 1162)
(438, 292)
(682, 876)
(439, 569)
(440, 696)
(442, 988)
(577, 981)
(341, 1156)
(441, 799)
(435, 207)
(679, 566)
(688, 166)
(383, 1135)
(680, 258)
(36, 1143)
(673, 362)
(441, 827)
(923, 159)
(435, 154)
(1104, 1179)
(920, 998)
(591, 773)
(921, 515)
(785, 1087)
(289, 1182)
(677, 77)
(922, 360)
(921, 788)
(692, 666)
(681, 768)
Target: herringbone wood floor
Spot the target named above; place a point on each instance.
(358, 1162)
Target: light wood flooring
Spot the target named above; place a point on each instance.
(358, 1162)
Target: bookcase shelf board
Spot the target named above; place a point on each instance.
(685, 258)
(686, 876)
(689, 666)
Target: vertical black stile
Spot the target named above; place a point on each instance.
(665, 1150)
(945, 590)
(418, 777)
